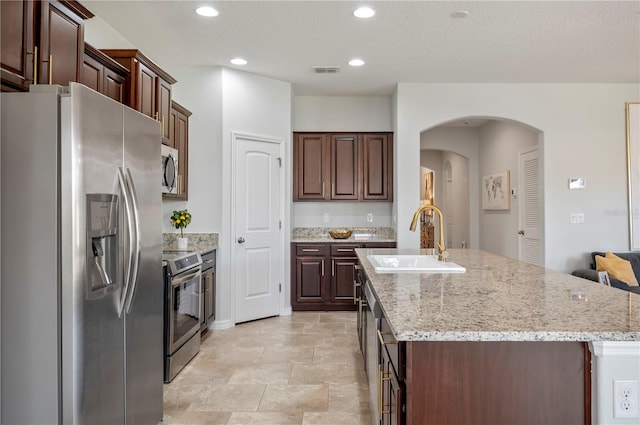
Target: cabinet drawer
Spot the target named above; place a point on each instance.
(208, 260)
(380, 245)
(344, 250)
(311, 250)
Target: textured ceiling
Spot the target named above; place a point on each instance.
(406, 41)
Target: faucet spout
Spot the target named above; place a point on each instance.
(442, 256)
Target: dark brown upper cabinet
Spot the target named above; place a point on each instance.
(42, 43)
(179, 139)
(377, 167)
(148, 87)
(103, 74)
(343, 166)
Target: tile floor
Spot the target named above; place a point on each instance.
(300, 369)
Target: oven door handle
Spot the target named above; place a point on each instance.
(185, 277)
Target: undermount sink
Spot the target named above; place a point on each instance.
(413, 263)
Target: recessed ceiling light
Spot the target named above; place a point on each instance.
(356, 62)
(364, 12)
(207, 11)
(460, 14)
(238, 61)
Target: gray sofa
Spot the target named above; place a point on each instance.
(633, 257)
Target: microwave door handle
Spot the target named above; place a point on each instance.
(135, 254)
(129, 255)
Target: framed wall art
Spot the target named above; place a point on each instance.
(633, 167)
(495, 191)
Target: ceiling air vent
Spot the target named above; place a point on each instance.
(326, 69)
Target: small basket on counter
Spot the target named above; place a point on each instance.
(340, 233)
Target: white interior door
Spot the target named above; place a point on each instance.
(530, 208)
(257, 222)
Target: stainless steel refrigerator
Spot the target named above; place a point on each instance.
(82, 291)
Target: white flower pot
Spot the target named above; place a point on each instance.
(182, 243)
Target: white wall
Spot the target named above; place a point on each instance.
(500, 142)
(200, 91)
(584, 136)
(342, 113)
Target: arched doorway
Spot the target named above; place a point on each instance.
(464, 151)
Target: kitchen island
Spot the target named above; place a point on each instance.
(505, 342)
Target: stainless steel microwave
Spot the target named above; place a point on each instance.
(169, 169)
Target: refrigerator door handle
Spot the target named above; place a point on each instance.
(135, 254)
(130, 224)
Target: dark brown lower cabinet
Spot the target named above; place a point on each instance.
(323, 275)
(498, 383)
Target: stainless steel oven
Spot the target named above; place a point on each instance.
(182, 311)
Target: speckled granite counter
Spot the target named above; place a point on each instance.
(201, 242)
(500, 299)
(360, 234)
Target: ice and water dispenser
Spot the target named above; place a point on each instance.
(102, 244)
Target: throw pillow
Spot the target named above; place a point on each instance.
(617, 268)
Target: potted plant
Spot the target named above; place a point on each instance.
(180, 220)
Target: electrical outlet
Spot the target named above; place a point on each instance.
(369, 218)
(625, 399)
(576, 218)
(325, 217)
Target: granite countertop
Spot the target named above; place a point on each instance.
(200, 242)
(359, 235)
(500, 299)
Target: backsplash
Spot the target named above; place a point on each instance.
(320, 232)
(197, 241)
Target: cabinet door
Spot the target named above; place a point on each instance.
(92, 73)
(392, 394)
(181, 143)
(171, 141)
(311, 167)
(145, 90)
(344, 166)
(310, 279)
(377, 167)
(113, 85)
(61, 44)
(163, 106)
(16, 48)
(342, 278)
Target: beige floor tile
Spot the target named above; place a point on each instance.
(349, 398)
(338, 316)
(232, 356)
(178, 417)
(203, 373)
(295, 398)
(326, 328)
(308, 340)
(262, 373)
(229, 398)
(315, 373)
(303, 368)
(304, 316)
(336, 355)
(287, 354)
(335, 418)
(265, 418)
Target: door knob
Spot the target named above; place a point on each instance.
(521, 232)
(240, 239)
